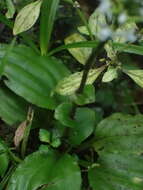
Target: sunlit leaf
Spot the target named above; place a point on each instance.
(80, 54)
(136, 75)
(70, 84)
(11, 9)
(27, 17)
(110, 74)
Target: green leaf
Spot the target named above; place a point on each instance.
(87, 97)
(44, 135)
(11, 9)
(118, 142)
(49, 171)
(62, 114)
(48, 13)
(80, 54)
(13, 109)
(82, 124)
(125, 33)
(33, 76)
(70, 84)
(27, 17)
(110, 74)
(96, 21)
(85, 44)
(128, 48)
(85, 124)
(4, 160)
(136, 75)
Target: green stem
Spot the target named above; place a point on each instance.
(88, 65)
(83, 18)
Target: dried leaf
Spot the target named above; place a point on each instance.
(19, 133)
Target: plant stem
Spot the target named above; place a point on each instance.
(88, 65)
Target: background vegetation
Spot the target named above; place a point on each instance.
(71, 84)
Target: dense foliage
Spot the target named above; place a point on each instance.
(71, 82)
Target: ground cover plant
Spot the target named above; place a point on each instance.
(71, 80)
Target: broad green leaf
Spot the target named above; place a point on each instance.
(63, 114)
(11, 9)
(70, 84)
(136, 75)
(110, 74)
(27, 17)
(118, 142)
(48, 13)
(4, 160)
(48, 171)
(33, 76)
(13, 108)
(44, 135)
(82, 123)
(80, 54)
(85, 119)
(87, 97)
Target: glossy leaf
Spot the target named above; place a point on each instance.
(110, 74)
(27, 17)
(33, 76)
(63, 113)
(118, 142)
(85, 124)
(82, 123)
(48, 13)
(80, 54)
(4, 160)
(136, 75)
(44, 135)
(49, 171)
(70, 84)
(11, 104)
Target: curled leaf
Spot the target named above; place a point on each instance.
(27, 17)
(70, 84)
